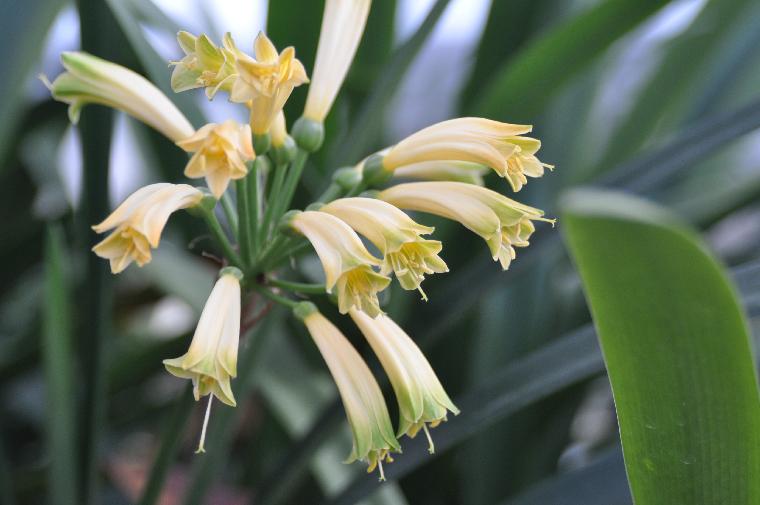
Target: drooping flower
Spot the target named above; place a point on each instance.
(459, 171)
(265, 83)
(211, 360)
(503, 223)
(396, 235)
(343, 24)
(89, 79)
(205, 65)
(421, 398)
(373, 438)
(346, 262)
(221, 152)
(477, 140)
(139, 221)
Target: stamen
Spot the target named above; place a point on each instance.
(380, 469)
(205, 424)
(431, 445)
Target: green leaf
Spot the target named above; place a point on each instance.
(59, 372)
(678, 80)
(22, 36)
(520, 89)
(677, 350)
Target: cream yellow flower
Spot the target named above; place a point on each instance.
(221, 152)
(266, 82)
(343, 24)
(204, 65)
(503, 223)
(477, 140)
(460, 171)
(279, 131)
(396, 235)
(345, 260)
(421, 398)
(211, 360)
(89, 79)
(373, 438)
(139, 221)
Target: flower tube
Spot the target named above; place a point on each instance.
(89, 79)
(221, 152)
(477, 140)
(421, 399)
(373, 438)
(265, 83)
(346, 262)
(396, 235)
(139, 221)
(503, 223)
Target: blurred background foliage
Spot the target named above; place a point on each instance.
(654, 98)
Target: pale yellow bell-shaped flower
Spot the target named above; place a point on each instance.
(205, 65)
(459, 171)
(90, 79)
(221, 152)
(373, 438)
(396, 235)
(503, 223)
(264, 83)
(477, 140)
(421, 398)
(346, 262)
(211, 360)
(343, 24)
(139, 221)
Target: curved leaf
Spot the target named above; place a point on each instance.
(677, 350)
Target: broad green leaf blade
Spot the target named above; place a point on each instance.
(520, 89)
(677, 351)
(22, 35)
(602, 482)
(58, 363)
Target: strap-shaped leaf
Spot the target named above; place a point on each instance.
(677, 351)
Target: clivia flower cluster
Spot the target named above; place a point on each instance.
(251, 173)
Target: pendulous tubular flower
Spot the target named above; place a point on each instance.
(459, 171)
(89, 79)
(139, 221)
(221, 152)
(345, 260)
(211, 360)
(503, 223)
(265, 83)
(477, 140)
(204, 65)
(396, 235)
(373, 438)
(421, 398)
(343, 24)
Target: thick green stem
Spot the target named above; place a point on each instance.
(243, 215)
(254, 206)
(275, 297)
(272, 199)
(285, 196)
(229, 212)
(221, 238)
(298, 287)
(332, 192)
